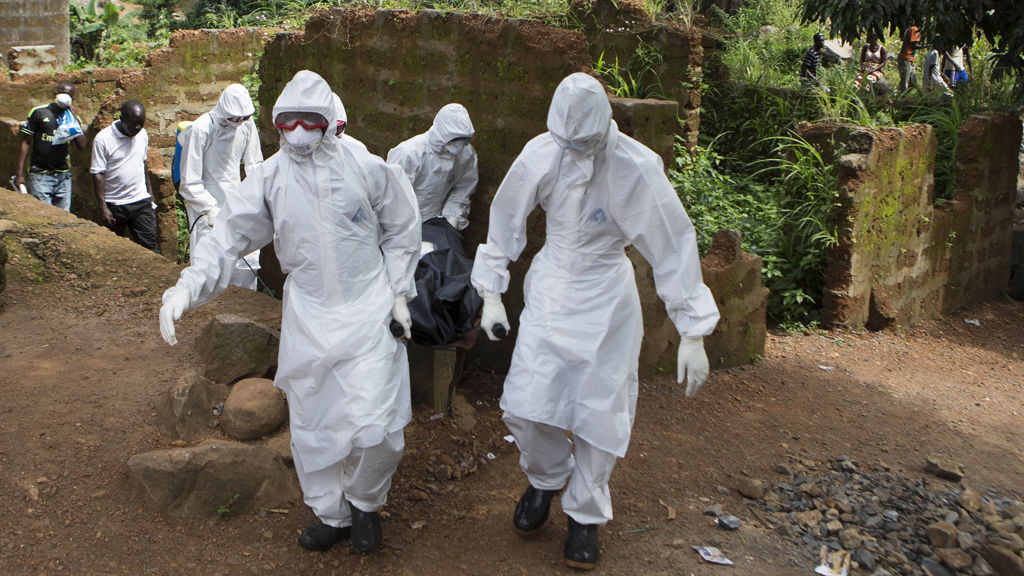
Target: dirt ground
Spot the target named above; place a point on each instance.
(82, 363)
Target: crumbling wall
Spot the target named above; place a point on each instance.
(395, 69)
(179, 83)
(899, 258)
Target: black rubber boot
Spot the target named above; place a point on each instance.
(366, 532)
(321, 536)
(532, 510)
(581, 547)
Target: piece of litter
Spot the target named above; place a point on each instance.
(826, 368)
(713, 555)
(437, 416)
(510, 438)
(670, 511)
(418, 524)
(972, 322)
(729, 522)
(833, 563)
(490, 455)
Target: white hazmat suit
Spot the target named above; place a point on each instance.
(575, 361)
(212, 151)
(442, 172)
(347, 233)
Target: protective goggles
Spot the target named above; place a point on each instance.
(296, 123)
(340, 128)
(238, 119)
(291, 121)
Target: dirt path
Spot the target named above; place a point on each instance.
(81, 364)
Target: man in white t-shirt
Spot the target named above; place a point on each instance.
(119, 176)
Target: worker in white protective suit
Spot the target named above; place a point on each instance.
(442, 166)
(213, 148)
(347, 233)
(575, 361)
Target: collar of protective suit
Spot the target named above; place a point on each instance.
(451, 122)
(307, 92)
(234, 101)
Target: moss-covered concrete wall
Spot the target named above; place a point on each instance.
(179, 83)
(899, 258)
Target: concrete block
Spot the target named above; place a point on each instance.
(25, 60)
(432, 373)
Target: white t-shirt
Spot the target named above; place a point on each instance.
(122, 161)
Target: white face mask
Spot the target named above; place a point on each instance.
(303, 140)
(63, 100)
(455, 147)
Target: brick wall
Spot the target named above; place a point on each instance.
(900, 259)
(35, 23)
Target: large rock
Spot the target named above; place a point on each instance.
(213, 479)
(254, 408)
(185, 410)
(234, 347)
(1003, 561)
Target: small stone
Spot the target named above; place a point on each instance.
(850, 538)
(784, 470)
(833, 527)
(955, 558)
(864, 558)
(808, 518)
(713, 510)
(981, 568)
(941, 534)
(969, 500)
(933, 568)
(944, 469)
(750, 487)
(729, 522)
(721, 490)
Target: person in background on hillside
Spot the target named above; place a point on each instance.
(933, 80)
(956, 66)
(872, 62)
(576, 358)
(905, 59)
(347, 233)
(811, 62)
(49, 174)
(213, 150)
(120, 177)
(442, 166)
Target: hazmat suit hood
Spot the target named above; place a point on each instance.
(305, 92)
(451, 122)
(234, 101)
(580, 115)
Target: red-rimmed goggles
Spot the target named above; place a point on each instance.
(293, 124)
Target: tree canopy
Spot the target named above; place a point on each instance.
(958, 21)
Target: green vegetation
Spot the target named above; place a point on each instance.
(109, 38)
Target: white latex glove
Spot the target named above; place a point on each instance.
(176, 301)
(692, 363)
(400, 313)
(453, 221)
(493, 314)
(208, 217)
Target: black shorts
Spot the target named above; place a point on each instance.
(139, 218)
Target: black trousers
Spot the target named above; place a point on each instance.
(139, 218)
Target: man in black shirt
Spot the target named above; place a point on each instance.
(49, 177)
(812, 59)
